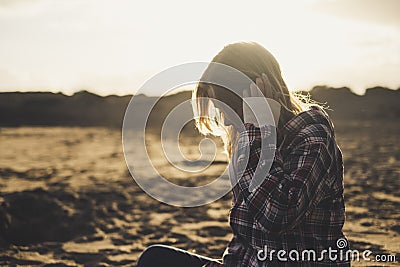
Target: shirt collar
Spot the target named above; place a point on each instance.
(315, 115)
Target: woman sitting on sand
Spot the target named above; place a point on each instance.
(294, 217)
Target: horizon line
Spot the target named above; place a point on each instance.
(181, 91)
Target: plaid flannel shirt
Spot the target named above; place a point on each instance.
(299, 205)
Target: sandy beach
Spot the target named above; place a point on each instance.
(67, 199)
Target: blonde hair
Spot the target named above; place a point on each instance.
(253, 60)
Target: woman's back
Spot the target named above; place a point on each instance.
(299, 206)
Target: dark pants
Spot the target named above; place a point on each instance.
(166, 256)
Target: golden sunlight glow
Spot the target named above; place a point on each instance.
(112, 48)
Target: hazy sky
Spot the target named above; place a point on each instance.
(112, 47)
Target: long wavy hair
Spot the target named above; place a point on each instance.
(253, 60)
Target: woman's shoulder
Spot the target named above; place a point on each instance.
(310, 126)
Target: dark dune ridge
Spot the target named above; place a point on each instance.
(88, 109)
